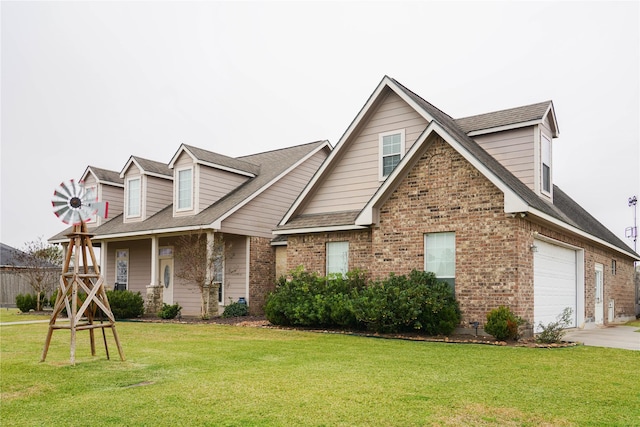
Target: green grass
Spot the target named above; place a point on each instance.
(203, 374)
(633, 323)
(14, 315)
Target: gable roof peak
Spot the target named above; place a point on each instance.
(148, 167)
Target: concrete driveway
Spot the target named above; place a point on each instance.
(612, 336)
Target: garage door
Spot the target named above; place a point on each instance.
(555, 282)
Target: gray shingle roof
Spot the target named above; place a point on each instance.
(271, 164)
(331, 219)
(222, 160)
(563, 208)
(105, 175)
(152, 166)
(526, 113)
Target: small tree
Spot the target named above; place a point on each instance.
(201, 261)
(40, 263)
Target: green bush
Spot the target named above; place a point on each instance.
(169, 311)
(554, 331)
(27, 302)
(503, 324)
(126, 304)
(398, 303)
(235, 309)
(311, 300)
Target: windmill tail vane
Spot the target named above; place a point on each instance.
(74, 203)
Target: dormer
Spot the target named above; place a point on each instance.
(521, 139)
(203, 177)
(108, 187)
(148, 187)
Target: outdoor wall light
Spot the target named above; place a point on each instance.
(533, 248)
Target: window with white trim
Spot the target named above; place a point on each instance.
(440, 256)
(546, 164)
(185, 189)
(337, 258)
(391, 151)
(134, 199)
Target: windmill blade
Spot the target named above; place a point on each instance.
(72, 203)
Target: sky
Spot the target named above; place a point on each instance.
(92, 83)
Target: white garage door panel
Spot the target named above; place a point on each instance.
(555, 282)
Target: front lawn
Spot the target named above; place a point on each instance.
(204, 374)
(14, 315)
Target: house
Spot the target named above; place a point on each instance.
(471, 199)
(199, 192)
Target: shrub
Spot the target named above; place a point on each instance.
(235, 309)
(27, 302)
(503, 324)
(125, 304)
(169, 311)
(398, 303)
(310, 300)
(554, 331)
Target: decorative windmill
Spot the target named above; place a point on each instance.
(74, 204)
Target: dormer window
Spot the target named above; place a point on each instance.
(185, 189)
(391, 151)
(546, 165)
(133, 197)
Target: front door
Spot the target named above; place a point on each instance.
(166, 280)
(599, 295)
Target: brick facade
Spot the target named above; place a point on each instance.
(262, 273)
(494, 263)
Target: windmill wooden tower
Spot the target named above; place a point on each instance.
(74, 204)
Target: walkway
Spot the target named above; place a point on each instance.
(624, 337)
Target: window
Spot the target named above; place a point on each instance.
(337, 257)
(122, 269)
(133, 197)
(184, 189)
(391, 151)
(546, 164)
(440, 256)
(218, 274)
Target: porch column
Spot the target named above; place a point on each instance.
(154, 260)
(210, 294)
(103, 262)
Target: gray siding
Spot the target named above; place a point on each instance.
(215, 184)
(115, 197)
(139, 264)
(355, 177)
(515, 150)
(157, 195)
(261, 215)
(235, 275)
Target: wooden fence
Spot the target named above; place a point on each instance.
(13, 283)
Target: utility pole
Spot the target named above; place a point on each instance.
(632, 232)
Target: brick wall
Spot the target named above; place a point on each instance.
(262, 273)
(445, 193)
(494, 262)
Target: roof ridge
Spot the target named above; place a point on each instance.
(504, 110)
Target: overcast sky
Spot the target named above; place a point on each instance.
(91, 83)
